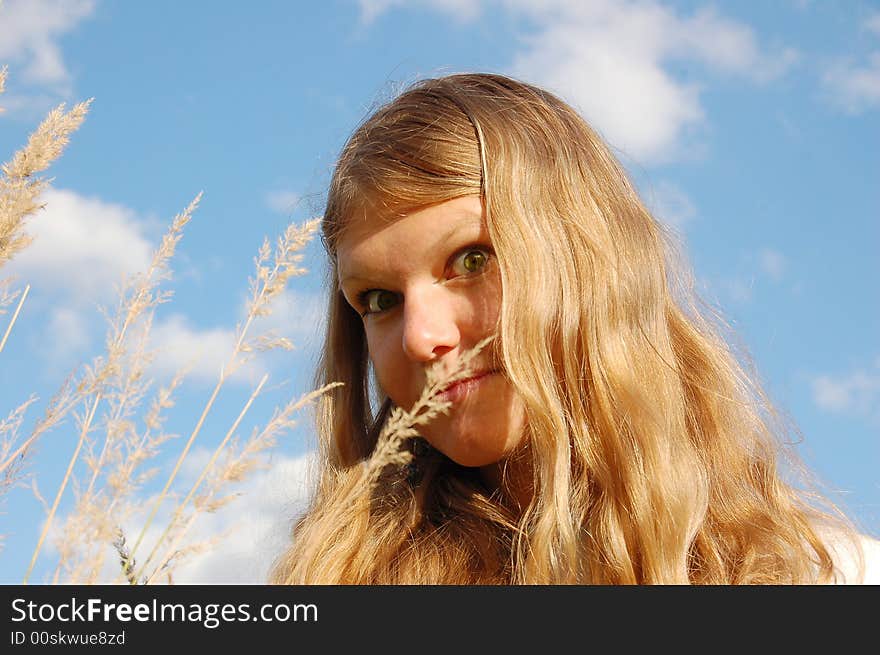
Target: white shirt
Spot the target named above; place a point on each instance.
(847, 558)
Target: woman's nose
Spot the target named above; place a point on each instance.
(430, 326)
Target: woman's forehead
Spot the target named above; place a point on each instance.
(372, 240)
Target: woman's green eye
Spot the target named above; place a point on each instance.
(377, 300)
(473, 260)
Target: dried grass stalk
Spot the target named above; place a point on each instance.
(14, 317)
(401, 425)
(141, 295)
(117, 381)
(238, 462)
(19, 186)
(11, 461)
(126, 561)
(269, 282)
(63, 401)
(19, 189)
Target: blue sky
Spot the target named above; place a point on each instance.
(751, 128)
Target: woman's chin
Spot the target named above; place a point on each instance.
(472, 452)
(473, 460)
(480, 434)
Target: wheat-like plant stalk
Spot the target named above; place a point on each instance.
(9, 428)
(6, 297)
(63, 401)
(126, 387)
(142, 447)
(401, 425)
(117, 383)
(176, 514)
(95, 517)
(143, 295)
(399, 428)
(126, 561)
(14, 316)
(20, 186)
(238, 463)
(267, 284)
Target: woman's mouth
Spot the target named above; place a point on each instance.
(464, 387)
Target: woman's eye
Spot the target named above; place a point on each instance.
(470, 261)
(376, 300)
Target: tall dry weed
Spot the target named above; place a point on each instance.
(107, 467)
(116, 379)
(120, 435)
(20, 188)
(402, 424)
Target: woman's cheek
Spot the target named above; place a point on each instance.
(488, 302)
(388, 366)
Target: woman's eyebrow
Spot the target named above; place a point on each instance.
(469, 222)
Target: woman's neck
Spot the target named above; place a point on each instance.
(512, 479)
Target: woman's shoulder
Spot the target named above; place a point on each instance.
(872, 560)
(856, 560)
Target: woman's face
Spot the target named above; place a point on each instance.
(428, 289)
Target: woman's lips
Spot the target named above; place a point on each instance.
(462, 388)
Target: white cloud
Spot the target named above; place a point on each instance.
(670, 204)
(202, 352)
(830, 394)
(298, 315)
(854, 87)
(728, 45)
(372, 9)
(872, 23)
(461, 10)
(34, 106)
(742, 285)
(283, 202)
(856, 393)
(632, 102)
(773, 263)
(70, 331)
(82, 246)
(609, 57)
(253, 530)
(31, 29)
(257, 526)
(739, 289)
(83, 249)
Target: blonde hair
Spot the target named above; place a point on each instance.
(653, 454)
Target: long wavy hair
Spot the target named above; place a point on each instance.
(653, 454)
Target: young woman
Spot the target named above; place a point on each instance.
(606, 435)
